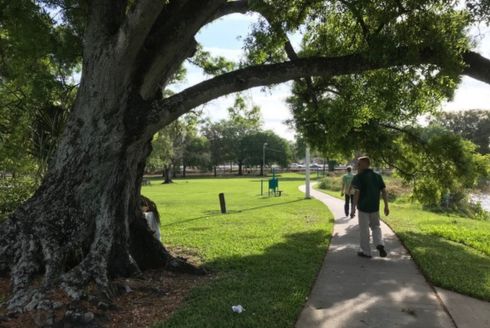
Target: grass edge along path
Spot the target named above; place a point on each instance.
(265, 254)
(452, 252)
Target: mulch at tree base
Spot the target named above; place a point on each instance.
(144, 301)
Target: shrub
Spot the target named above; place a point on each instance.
(459, 203)
(331, 183)
(13, 192)
(396, 188)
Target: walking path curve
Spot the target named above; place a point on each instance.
(353, 292)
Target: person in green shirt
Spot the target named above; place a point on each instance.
(348, 192)
(368, 186)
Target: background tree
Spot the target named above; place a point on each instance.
(47, 126)
(242, 122)
(162, 154)
(196, 154)
(169, 146)
(473, 125)
(298, 148)
(86, 210)
(218, 146)
(277, 150)
(38, 58)
(225, 136)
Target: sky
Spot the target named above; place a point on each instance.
(225, 37)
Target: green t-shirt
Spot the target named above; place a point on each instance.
(347, 180)
(369, 185)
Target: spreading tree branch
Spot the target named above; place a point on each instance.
(358, 17)
(291, 53)
(171, 41)
(136, 27)
(477, 66)
(170, 108)
(231, 7)
(105, 18)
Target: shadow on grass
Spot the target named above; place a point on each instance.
(449, 264)
(209, 213)
(284, 179)
(272, 286)
(159, 180)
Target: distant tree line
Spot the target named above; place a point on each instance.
(239, 139)
(473, 125)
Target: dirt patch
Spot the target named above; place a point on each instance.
(153, 299)
(142, 302)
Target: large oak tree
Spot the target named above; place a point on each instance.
(84, 224)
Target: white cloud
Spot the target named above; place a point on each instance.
(471, 94)
(230, 54)
(272, 103)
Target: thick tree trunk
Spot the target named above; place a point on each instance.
(240, 168)
(215, 171)
(167, 174)
(184, 167)
(75, 228)
(174, 171)
(84, 223)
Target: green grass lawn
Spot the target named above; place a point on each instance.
(264, 254)
(453, 252)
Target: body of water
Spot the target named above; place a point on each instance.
(483, 199)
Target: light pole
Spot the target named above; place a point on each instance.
(307, 172)
(263, 158)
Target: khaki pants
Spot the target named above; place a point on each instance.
(366, 221)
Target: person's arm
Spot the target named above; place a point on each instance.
(343, 186)
(356, 197)
(355, 184)
(384, 194)
(385, 200)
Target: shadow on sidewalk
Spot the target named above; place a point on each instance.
(389, 292)
(377, 292)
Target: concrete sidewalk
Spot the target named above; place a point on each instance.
(352, 292)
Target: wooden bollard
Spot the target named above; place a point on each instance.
(222, 203)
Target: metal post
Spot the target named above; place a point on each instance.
(261, 187)
(263, 158)
(307, 172)
(222, 203)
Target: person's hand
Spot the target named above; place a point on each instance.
(387, 211)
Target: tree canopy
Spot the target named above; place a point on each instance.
(473, 125)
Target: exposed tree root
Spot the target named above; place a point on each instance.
(41, 260)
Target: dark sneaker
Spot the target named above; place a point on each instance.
(361, 254)
(352, 215)
(382, 251)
